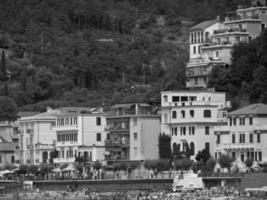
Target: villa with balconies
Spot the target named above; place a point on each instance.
(36, 137)
(132, 133)
(189, 117)
(80, 134)
(245, 134)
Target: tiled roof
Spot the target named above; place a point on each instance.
(7, 146)
(51, 114)
(253, 109)
(203, 25)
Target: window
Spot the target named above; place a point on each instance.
(135, 136)
(207, 146)
(230, 121)
(174, 114)
(194, 51)
(193, 130)
(12, 159)
(165, 98)
(233, 155)
(250, 121)
(207, 113)
(98, 121)
(218, 139)
(234, 121)
(256, 156)
(260, 156)
(258, 137)
(242, 138)
(192, 148)
(175, 99)
(233, 138)
(217, 54)
(190, 129)
(175, 131)
(98, 137)
(192, 113)
(75, 120)
(183, 114)
(251, 137)
(184, 130)
(181, 130)
(242, 121)
(242, 157)
(207, 130)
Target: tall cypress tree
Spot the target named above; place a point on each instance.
(3, 66)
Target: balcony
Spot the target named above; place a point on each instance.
(67, 143)
(64, 160)
(232, 30)
(123, 142)
(65, 128)
(117, 128)
(30, 146)
(237, 146)
(197, 73)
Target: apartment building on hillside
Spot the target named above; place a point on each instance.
(211, 42)
(189, 117)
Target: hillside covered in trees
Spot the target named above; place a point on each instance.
(85, 53)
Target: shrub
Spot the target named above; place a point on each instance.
(149, 164)
(211, 163)
(23, 169)
(249, 163)
(225, 161)
(183, 164)
(32, 169)
(162, 165)
(203, 155)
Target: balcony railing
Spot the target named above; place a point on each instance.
(229, 30)
(117, 128)
(128, 113)
(238, 146)
(120, 142)
(197, 73)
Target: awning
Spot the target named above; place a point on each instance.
(56, 170)
(69, 168)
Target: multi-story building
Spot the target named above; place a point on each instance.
(211, 42)
(80, 134)
(245, 134)
(189, 117)
(36, 137)
(7, 153)
(133, 131)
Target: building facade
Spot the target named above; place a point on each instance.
(133, 131)
(80, 134)
(189, 117)
(245, 134)
(211, 42)
(36, 137)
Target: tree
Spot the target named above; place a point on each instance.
(211, 163)
(249, 163)
(225, 161)
(8, 109)
(3, 67)
(203, 155)
(97, 165)
(164, 146)
(32, 169)
(23, 169)
(183, 164)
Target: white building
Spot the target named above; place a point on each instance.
(211, 42)
(133, 132)
(245, 135)
(36, 137)
(80, 133)
(190, 117)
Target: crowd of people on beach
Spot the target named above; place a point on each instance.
(215, 193)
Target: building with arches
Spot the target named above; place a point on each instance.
(189, 117)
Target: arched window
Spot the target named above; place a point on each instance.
(192, 148)
(174, 114)
(192, 113)
(183, 114)
(165, 98)
(174, 147)
(207, 113)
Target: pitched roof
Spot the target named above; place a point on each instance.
(253, 109)
(49, 115)
(203, 25)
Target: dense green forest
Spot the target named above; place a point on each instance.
(85, 53)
